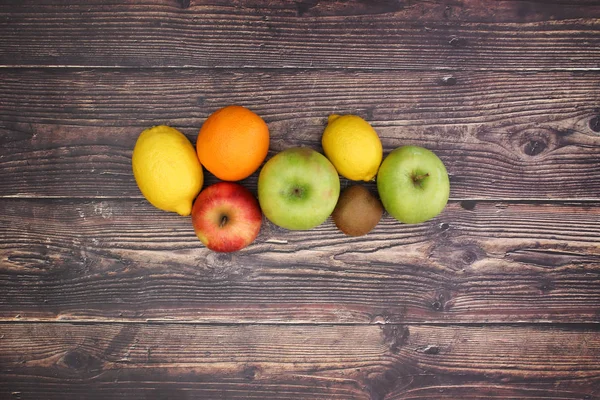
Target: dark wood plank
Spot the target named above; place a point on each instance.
(519, 243)
(502, 135)
(123, 260)
(100, 361)
(471, 34)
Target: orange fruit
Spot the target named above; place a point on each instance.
(232, 143)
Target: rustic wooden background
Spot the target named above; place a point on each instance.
(104, 297)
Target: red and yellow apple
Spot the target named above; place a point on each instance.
(226, 217)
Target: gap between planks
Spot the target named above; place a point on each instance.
(259, 68)
(520, 324)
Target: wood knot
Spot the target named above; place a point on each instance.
(219, 263)
(429, 349)
(379, 385)
(380, 319)
(458, 255)
(249, 373)
(448, 81)
(595, 124)
(469, 257)
(534, 147)
(455, 41)
(75, 360)
(448, 12)
(79, 360)
(439, 303)
(468, 205)
(533, 142)
(183, 4)
(305, 6)
(394, 336)
(546, 286)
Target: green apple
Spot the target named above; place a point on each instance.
(298, 188)
(413, 184)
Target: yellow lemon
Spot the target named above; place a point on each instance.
(166, 169)
(352, 146)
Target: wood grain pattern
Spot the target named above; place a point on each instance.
(63, 361)
(104, 297)
(125, 260)
(515, 35)
(502, 136)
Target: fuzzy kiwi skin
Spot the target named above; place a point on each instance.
(357, 211)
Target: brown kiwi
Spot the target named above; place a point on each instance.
(357, 211)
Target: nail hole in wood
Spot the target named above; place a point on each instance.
(468, 204)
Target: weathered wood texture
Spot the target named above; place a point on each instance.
(471, 34)
(476, 262)
(100, 293)
(501, 135)
(137, 361)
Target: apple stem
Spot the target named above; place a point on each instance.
(223, 221)
(417, 179)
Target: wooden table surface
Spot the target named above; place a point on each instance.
(103, 296)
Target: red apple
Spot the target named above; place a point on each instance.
(226, 217)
